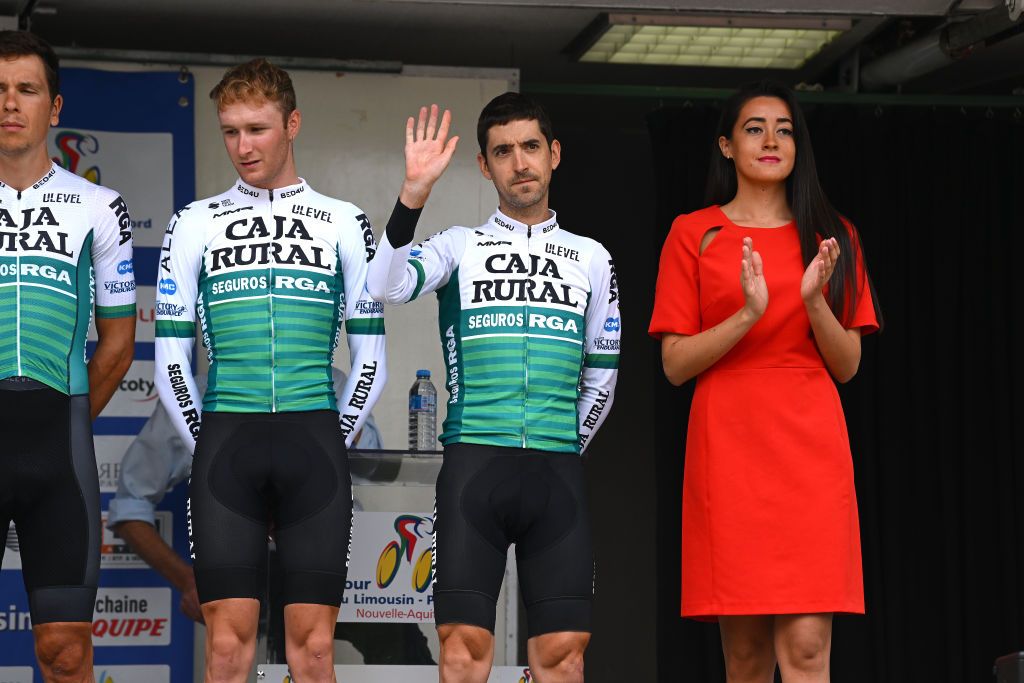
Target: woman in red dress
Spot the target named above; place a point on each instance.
(763, 297)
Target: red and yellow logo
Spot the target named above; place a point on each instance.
(411, 529)
(72, 146)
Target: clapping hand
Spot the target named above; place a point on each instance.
(755, 290)
(427, 154)
(819, 270)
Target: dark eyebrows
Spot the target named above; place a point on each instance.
(761, 119)
(508, 145)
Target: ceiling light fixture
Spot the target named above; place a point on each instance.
(738, 42)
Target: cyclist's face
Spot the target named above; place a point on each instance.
(28, 111)
(519, 162)
(259, 141)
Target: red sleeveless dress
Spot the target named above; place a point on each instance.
(769, 508)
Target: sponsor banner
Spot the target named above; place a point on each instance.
(145, 319)
(132, 616)
(392, 570)
(278, 673)
(115, 552)
(138, 165)
(109, 452)
(133, 674)
(136, 394)
(16, 674)
(12, 550)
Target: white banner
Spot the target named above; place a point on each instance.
(132, 616)
(12, 550)
(136, 394)
(15, 674)
(391, 570)
(133, 674)
(110, 451)
(278, 673)
(115, 552)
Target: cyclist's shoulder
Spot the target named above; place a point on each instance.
(206, 209)
(61, 180)
(585, 248)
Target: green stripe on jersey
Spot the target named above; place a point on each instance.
(175, 328)
(125, 311)
(364, 325)
(602, 360)
(421, 277)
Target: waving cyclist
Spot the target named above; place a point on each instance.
(529, 327)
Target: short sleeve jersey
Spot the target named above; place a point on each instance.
(65, 244)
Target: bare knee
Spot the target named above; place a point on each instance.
(465, 650)
(229, 653)
(558, 657)
(749, 661)
(747, 643)
(312, 657)
(804, 652)
(64, 652)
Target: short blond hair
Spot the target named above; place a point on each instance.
(256, 79)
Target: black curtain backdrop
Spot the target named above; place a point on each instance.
(935, 414)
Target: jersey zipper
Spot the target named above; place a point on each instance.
(526, 344)
(270, 299)
(17, 298)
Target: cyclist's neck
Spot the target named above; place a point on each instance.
(20, 171)
(538, 213)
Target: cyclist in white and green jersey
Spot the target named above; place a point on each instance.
(529, 326)
(273, 271)
(65, 246)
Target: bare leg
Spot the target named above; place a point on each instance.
(804, 643)
(557, 657)
(466, 653)
(309, 642)
(230, 639)
(64, 651)
(748, 646)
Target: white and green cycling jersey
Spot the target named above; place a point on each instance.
(271, 276)
(65, 245)
(529, 324)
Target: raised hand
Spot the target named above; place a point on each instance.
(427, 154)
(819, 270)
(755, 290)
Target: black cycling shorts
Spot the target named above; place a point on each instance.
(489, 497)
(251, 471)
(50, 490)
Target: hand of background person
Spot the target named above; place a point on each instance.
(190, 600)
(755, 290)
(428, 152)
(820, 269)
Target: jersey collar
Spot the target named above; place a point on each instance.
(503, 224)
(41, 182)
(246, 190)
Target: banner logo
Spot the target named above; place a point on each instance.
(410, 529)
(73, 146)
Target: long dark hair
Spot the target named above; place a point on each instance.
(812, 210)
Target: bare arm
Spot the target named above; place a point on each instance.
(839, 347)
(147, 543)
(113, 357)
(686, 356)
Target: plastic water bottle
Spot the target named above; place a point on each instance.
(422, 413)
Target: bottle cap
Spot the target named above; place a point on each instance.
(423, 373)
